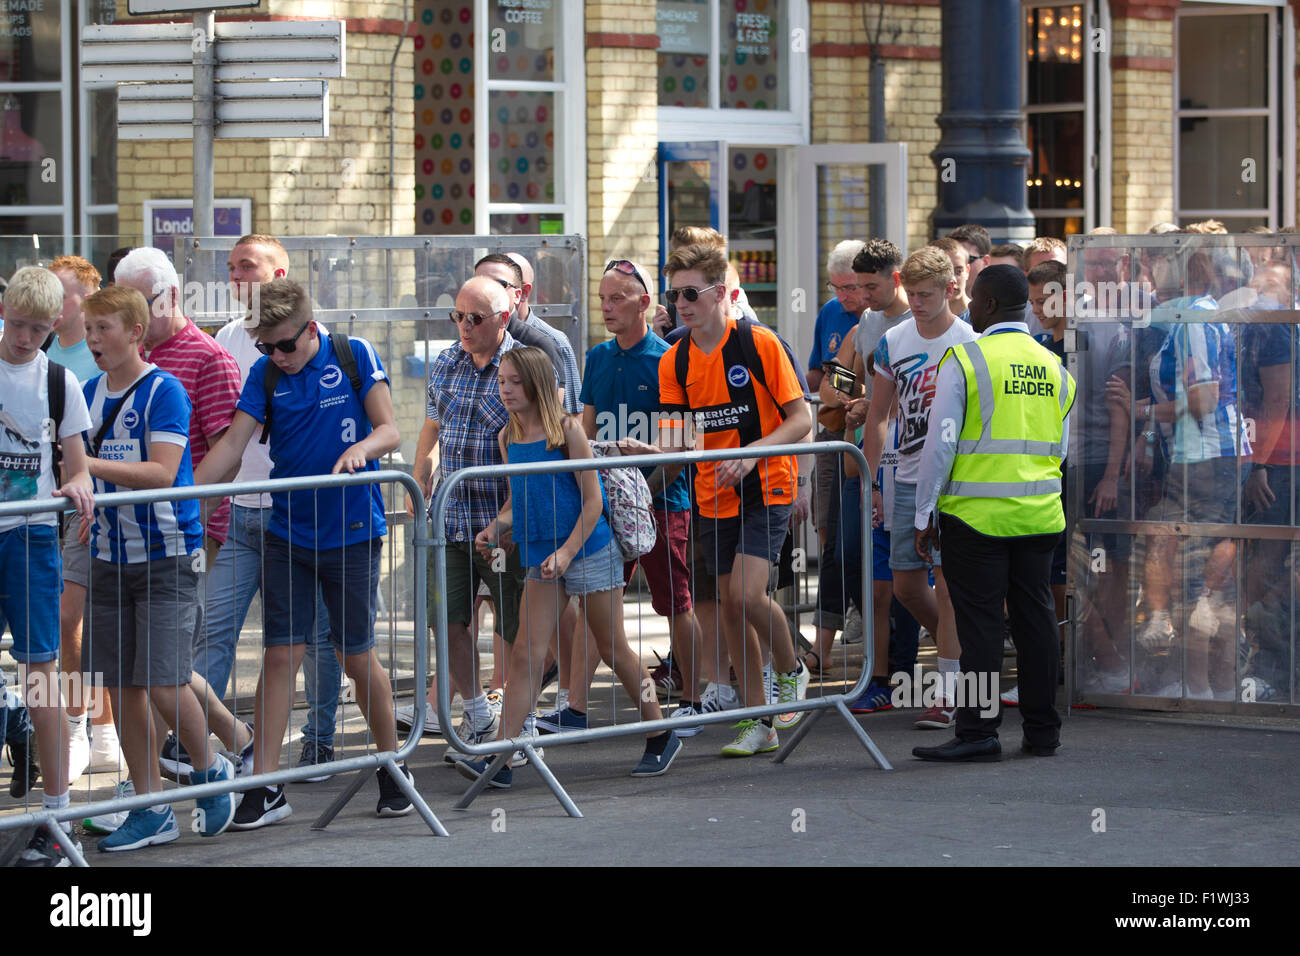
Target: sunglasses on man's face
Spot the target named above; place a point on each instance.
(504, 283)
(284, 345)
(475, 318)
(627, 268)
(690, 293)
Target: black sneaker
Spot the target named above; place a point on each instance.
(313, 754)
(260, 807)
(43, 851)
(174, 762)
(26, 771)
(392, 801)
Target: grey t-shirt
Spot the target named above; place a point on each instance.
(866, 336)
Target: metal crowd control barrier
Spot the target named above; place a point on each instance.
(363, 765)
(499, 751)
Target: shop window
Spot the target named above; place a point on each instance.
(1056, 116)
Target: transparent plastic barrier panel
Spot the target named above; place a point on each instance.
(1180, 489)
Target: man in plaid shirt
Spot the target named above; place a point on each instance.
(464, 414)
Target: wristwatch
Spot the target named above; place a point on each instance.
(803, 480)
(875, 486)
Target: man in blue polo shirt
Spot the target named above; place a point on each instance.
(328, 538)
(620, 402)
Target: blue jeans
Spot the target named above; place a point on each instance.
(235, 577)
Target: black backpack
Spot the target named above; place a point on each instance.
(745, 336)
(342, 347)
(55, 384)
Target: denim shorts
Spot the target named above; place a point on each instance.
(602, 571)
(30, 583)
(347, 578)
(902, 534)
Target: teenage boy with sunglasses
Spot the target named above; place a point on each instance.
(745, 504)
(324, 540)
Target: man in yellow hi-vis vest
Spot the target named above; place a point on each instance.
(991, 464)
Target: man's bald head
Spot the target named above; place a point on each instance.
(482, 294)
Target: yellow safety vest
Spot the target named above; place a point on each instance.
(1006, 477)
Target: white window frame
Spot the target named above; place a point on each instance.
(63, 86)
(748, 127)
(570, 89)
(1096, 159)
(88, 210)
(1280, 137)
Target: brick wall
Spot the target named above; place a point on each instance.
(622, 142)
(1142, 104)
(841, 92)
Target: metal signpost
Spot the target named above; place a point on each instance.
(179, 81)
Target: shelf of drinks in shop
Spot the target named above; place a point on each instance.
(759, 286)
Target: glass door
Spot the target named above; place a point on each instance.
(824, 198)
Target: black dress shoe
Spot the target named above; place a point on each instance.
(1038, 750)
(957, 750)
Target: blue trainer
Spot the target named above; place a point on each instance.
(556, 721)
(142, 828)
(874, 698)
(473, 769)
(652, 765)
(213, 814)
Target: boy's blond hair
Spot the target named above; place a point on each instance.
(710, 261)
(36, 293)
(279, 301)
(927, 264)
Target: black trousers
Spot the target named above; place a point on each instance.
(982, 573)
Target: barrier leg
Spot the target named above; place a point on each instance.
(805, 725)
(421, 807)
(569, 806)
(477, 786)
(863, 736)
(358, 781)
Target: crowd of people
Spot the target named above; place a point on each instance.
(154, 597)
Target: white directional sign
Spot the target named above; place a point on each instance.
(162, 52)
(260, 110)
(148, 8)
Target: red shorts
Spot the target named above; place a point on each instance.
(665, 566)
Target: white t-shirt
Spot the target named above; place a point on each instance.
(256, 463)
(866, 336)
(912, 363)
(25, 462)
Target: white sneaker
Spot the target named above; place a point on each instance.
(1012, 697)
(793, 687)
(519, 758)
(719, 697)
(78, 751)
(753, 738)
(109, 822)
(681, 713)
(771, 684)
(852, 633)
(404, 717)
(1158, 632)
(561, 699)
(472, 735)
(1204, 620)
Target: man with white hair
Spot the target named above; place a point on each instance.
(570, 377)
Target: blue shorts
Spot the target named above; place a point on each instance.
(759, 532)
(31, 579)
(902, 536)
(602, 571)
(347, 578)
(880, 542)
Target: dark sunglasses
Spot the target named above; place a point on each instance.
(627, 268)
(504, 283)
(475, 318)
(284, 345)
(690, 293)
